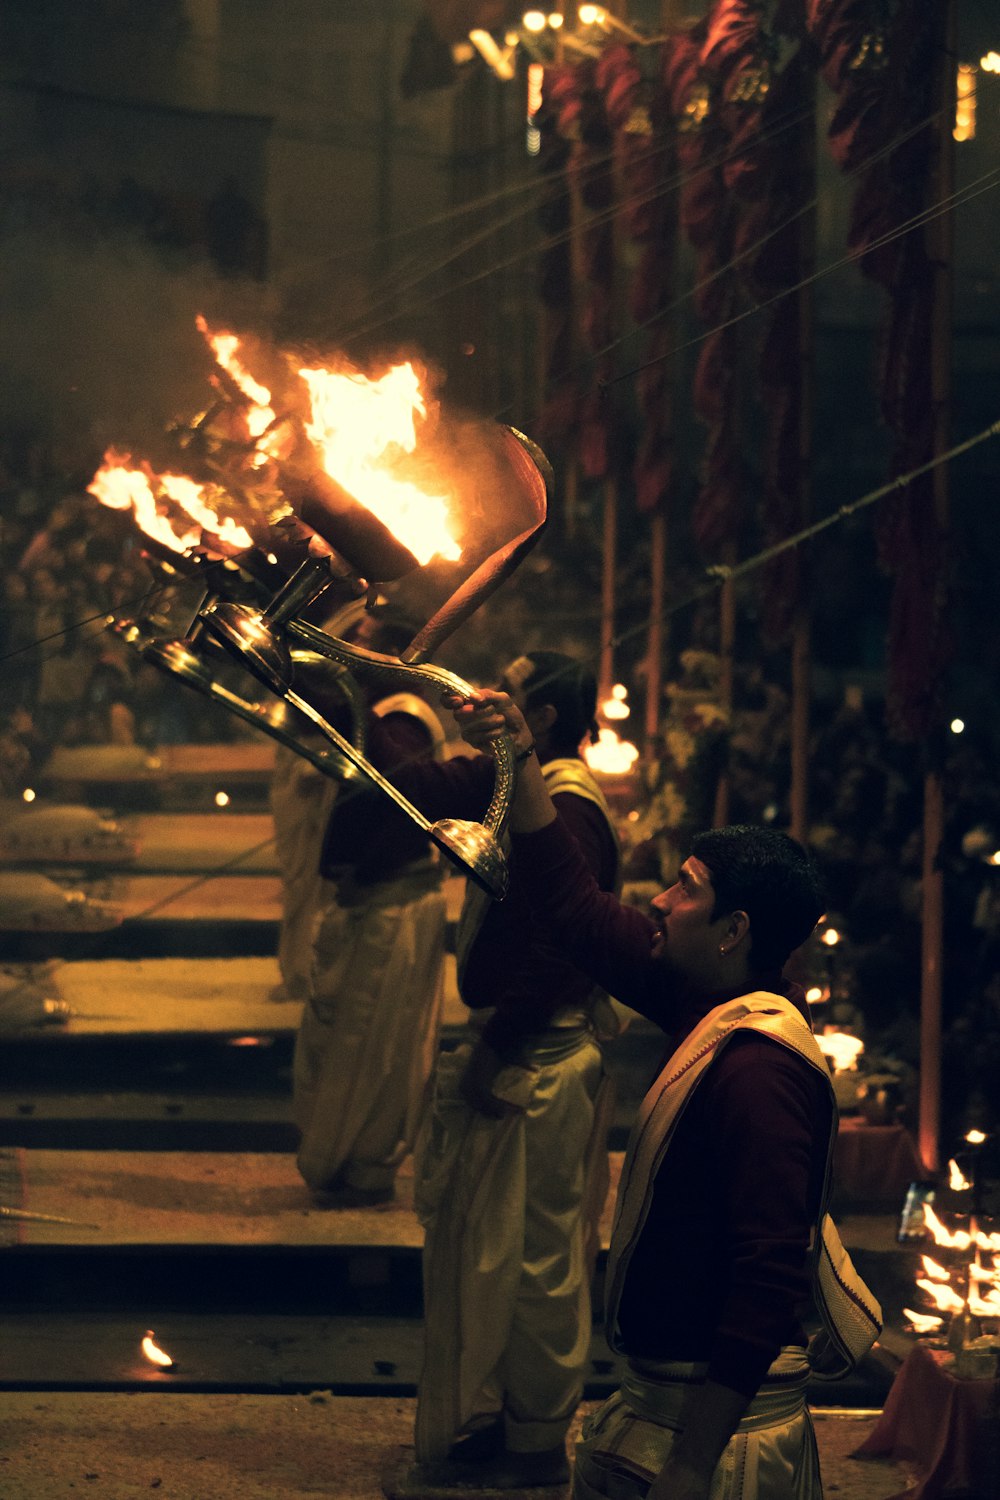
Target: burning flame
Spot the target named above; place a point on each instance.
(154, 1353)
(961, 1239)
(941, 1294)
(976, 1276)
(841, 1049)
(616, 707)
(957, 1181)
(122, 487)
(923, 1322)
(611, 755)
(359, 427)
(259, 415)
(934, 1271)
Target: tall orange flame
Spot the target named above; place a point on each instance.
(121, 486)
(359, 428)
(224, 345)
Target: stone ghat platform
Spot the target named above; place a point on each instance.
(168, 776)
(296, 1447)
(251, 1286)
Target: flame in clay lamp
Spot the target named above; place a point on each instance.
(957, 1180)
(121, 486)
(840, 1049)
(923, 1322)
(944, 1297)
(259, 414)
(154, 1353)
(611, 755)
(959, 1240)
(360, 429)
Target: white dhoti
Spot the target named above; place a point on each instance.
(301, 801)
(507, 1317)
(771, 1455)
(368, 1040)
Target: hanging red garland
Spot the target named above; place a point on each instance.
(882, 71)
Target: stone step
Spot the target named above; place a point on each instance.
(219, 1351)
(220, 1201)
(265, 1446)
(252, 1351)
(222, 909)
(187, 1242)
(178, 777)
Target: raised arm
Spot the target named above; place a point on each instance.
(486, 717)
(591, 927)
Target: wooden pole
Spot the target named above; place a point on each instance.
(940, 246)
(609, 567)
(727, 651)
(801, 655)
(655, 640)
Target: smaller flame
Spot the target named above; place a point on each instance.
(259, 414)
(923, 1322)
(831, 937)
(841, 1049)
(816, 994)
(984, 1307)
(934, 1271)
(943, 1297)
(616, 707)
(611, 755)
(121, 486)
(956, 1180)
(975, 1137)
(154, 1353)
(959, 1240)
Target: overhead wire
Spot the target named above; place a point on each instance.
(958, 199)
(545, 242)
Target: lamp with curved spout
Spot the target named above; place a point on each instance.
(332, 526)
(177, 660)
(473, 847)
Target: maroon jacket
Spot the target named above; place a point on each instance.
(720, 1270)
(512, 966)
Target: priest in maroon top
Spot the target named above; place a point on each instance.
(719, 1276)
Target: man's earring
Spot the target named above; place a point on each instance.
(722, 951)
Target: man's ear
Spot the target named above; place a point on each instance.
(737, 930)
(541, 719)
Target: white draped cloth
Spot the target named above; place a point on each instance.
(771, 1456)
(509, 1208)
(368, 1040)
(301, 801)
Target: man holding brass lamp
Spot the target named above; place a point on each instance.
(720, 1232)
(512, 1164)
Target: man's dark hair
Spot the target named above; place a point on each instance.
(772, 878)
(571, 689)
